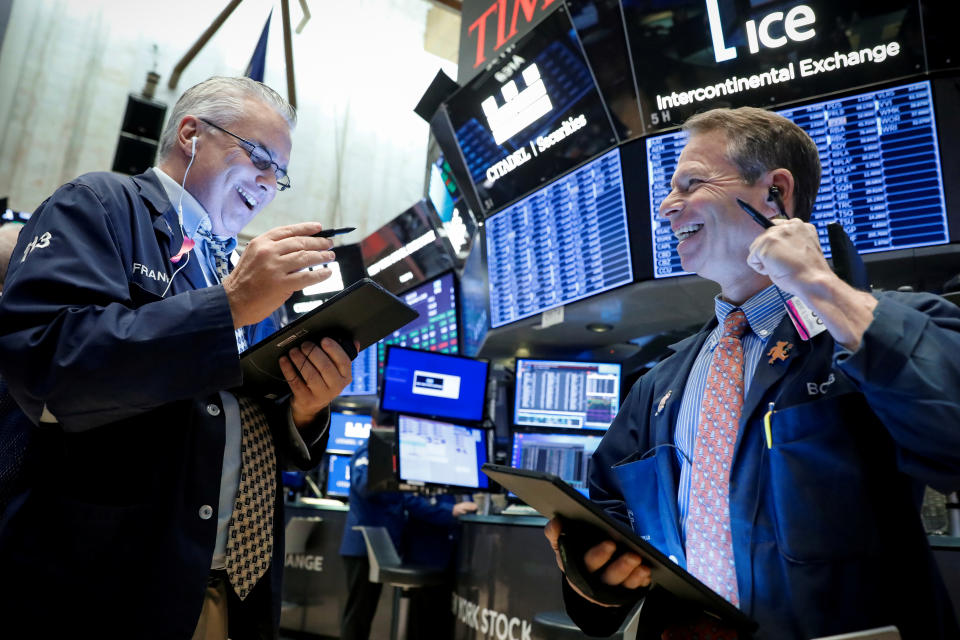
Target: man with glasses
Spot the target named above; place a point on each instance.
(156, 511)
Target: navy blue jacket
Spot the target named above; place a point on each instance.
(116, 534)
(826, 530)
(391, 509)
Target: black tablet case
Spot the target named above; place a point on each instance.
(552, 497)
(364, 311)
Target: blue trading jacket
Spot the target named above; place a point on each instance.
(116, 532)
(826, 529)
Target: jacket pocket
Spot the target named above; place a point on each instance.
(820, 484)
(640, 486)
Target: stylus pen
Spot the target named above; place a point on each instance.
(329, 233)
(758, 217)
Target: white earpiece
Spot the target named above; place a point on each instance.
(193, 148)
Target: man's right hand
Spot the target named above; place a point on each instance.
(626, 571)
(273, 267)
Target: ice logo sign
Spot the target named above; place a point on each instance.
(796, 25)
(520, 108)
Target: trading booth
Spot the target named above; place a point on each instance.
(547, 282)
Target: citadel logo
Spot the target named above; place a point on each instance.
(520, 108)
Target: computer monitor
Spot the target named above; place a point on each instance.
(433, 384)
(338, 475)
(347, 432)
(566, 394)
(474, 301)
(436, 329)
(567, 455)
(564, 242)
(882, 177)
(531, 115)
(441, 453)
(364, 371)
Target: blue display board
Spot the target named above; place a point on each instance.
(565, 455)
(338, 475)
(347, 431)
(436, 385)
(882, 178)
(441, 453)
(436, 329)
(364, 371)
(562, 243)
(572, 395)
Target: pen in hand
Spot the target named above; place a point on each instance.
(329, 233)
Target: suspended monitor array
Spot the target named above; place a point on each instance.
(882, 177)
(567, 455)
(693, 55)
(436, 329)
(364, 371)
(441, 453)
(407, 250)
(435, 385)
(347, 432)
(562, 243)
(338, 475)
(474, 298)
(566, 394)
(530, 116)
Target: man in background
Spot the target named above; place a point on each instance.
(156, 511)
(786, 474)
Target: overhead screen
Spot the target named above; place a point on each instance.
(882, 177)
(364, 371)
(533, 115)
(441, 453)
(562, 243)
(571, 395)
(435, 385)
(474, 288)
(338, 476)
(565, 455)
(436, 328)
(347, 432)
(692, 55)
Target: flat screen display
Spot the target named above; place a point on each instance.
(338, 476)
(436, 329)
(565, 455)
(693, 55)
(882, 177)
(565, 242)
(570, 395)
(435, 385)
(474, 299)
(347, 432)
(443, 453)
(455, 216)
(364, 371)
(530, 116)
(407, 250)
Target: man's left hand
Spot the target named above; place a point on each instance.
(316, 375)
(789, 254)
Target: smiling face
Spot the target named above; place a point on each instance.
(714, 232)
(223, 178)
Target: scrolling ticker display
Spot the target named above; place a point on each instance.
(881, 172)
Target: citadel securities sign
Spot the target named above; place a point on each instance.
(487, 26)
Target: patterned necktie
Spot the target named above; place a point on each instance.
(250, 536)
(218, 247)
(709, 543)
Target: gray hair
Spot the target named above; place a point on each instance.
(759, 141)
(221, 99)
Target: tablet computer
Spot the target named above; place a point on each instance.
(552, 497)
(364, 311)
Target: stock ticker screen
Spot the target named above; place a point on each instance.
(436, 328)
(562, 243)
(565, 455)
(572, 395)
(364, 371)
(881, 180)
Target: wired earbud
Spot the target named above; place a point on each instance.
(193, 146)
(774, 195)
(183, 232)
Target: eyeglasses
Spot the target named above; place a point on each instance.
(259, 156)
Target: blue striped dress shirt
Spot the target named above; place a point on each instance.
(764, 312)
